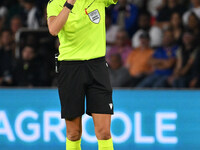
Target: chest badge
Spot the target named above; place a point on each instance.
(95, 16)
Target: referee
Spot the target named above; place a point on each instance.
(83, 71)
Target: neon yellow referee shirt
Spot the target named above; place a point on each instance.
(83, 37)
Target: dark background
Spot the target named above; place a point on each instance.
(170, 29)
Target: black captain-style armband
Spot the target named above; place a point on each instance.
(68, 5)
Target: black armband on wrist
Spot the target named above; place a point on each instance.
(68, 5)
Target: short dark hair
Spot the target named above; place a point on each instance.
(145, 13)
(29, 46)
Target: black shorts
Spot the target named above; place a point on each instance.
(89, 79)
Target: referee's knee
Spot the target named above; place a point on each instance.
(74, 135)
(103, 133)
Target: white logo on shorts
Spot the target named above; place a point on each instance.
(111, 106)
(95, 16)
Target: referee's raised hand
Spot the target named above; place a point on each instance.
(56, 23)
(72, 1)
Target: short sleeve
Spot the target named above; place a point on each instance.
(53, 8)
(109, 2)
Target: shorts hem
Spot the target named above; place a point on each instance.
(90, 113)
(71, 117)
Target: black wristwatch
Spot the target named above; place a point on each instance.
(68, 5)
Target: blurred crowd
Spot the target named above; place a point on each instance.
(150, 44)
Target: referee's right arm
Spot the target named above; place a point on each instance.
(56, 23)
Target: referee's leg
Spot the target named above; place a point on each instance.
(74, 132)
(102, 124)
(71, 84)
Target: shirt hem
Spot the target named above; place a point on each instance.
(80, 59)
